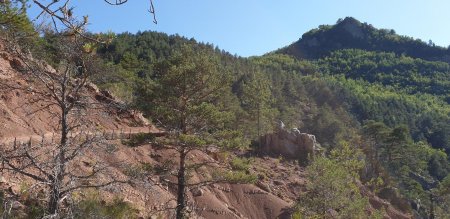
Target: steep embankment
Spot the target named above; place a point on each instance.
(21, 115)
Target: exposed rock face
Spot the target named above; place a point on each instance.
(353, 27)
(289, 144)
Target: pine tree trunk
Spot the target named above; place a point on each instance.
(181, 202)
(432, 216)
(259, 127)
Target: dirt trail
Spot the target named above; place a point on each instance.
(49, 136)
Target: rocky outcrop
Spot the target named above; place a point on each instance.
(291, 144)
(354, 27)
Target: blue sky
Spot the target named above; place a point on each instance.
(254, 27)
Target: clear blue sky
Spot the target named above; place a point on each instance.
(254, 27)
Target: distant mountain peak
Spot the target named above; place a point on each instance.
(352, 26)
(350, 33)
(349, 20)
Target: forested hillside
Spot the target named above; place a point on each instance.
(350, 33)
(390, 84)
(377, 103)
(385, 99)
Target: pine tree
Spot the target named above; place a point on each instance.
(256, 99)
(184, 95)
(332, 187)
(14, 21)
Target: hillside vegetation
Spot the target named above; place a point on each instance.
(350, 33)
(377, 102)
(339, 97)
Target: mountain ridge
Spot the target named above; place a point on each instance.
(350, 33)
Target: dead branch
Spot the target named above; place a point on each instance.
(61, 14)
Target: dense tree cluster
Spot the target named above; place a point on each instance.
(402, 72)
(264, 90)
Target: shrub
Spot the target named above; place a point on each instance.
(241, 164)
(92, 207)
(141, 170)
(139, 139)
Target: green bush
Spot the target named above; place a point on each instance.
(93, 207)
(241, 164)
(236, 177)
(332, 186)
(139, 139)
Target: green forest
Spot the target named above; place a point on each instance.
(377, 102)
(393, 107)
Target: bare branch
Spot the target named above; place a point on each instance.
(116, 2)
(61, 13)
